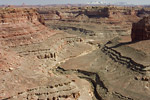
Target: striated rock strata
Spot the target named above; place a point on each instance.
(25, 25)
(115, 14)
(29, 51)
(15, 16)
(19, 27)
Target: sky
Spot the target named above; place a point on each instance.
(45, 2)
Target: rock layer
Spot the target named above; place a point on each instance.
(25, 25)
(29, 51)
(116, 14)
(19, 27)
(70, 65)
(141, 30)
(14, 16)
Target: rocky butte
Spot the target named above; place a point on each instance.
(141, 30)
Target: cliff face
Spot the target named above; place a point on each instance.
(14, 16)
(91, 12)
(141, 30)
(19, 27)
(26, 46)
(73, 65)
(22, 26)
(49, 15)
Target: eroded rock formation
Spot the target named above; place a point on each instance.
(25, 25)
(141, 30)
(18, 27)
(12, 15)
(38, 64)
(84, 13)
(28, 52)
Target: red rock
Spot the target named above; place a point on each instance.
(9, 60)
(141, 30)
(77, 14)
(18, 16)
(19, 27)
(22, 26)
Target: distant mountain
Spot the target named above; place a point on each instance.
(96, 3)
(122, 4)
(104, 3)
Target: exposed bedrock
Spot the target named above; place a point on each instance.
(25, 25)
(143, 12)
(28, 50)
(59, 91)
(116, 56)
(92, 77)
(84, 14)
(109, 12)
(9, 60)
(111, 77)
(76, 29)
(14, 16)
(19, 27)
(133, 63)
(141, 30)
(30, 54)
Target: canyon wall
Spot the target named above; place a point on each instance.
(28, 52)
(84, 13)
(141, 30)
(14, 16)
(21, 26)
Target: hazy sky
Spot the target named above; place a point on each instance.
(43, 2)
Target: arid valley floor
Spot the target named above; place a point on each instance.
(75, 53)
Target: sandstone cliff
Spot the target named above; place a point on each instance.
(21, 26)
(15, 16)
(141, 30)
(82, 13)
(27, 50)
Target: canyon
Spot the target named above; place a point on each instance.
(74, 53)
